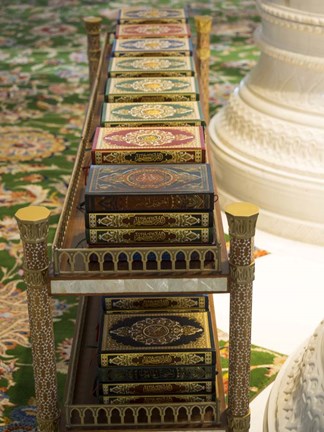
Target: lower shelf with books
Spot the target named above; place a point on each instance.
(84, 412)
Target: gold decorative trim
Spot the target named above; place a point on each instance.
(242, 217)
(36, 278)
(141, 415)
(242, 274)
(203, 54)
(238, 424)
(134, 260)
(45, 425)
(203, 23)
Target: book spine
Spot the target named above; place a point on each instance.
(149, 374)
(157, 388)
(131, 304)
(149, 220)
(148, 74)
(161, 399)
(151, 123)
(141, 157)
(157, 359)
(165, 202)
(110, 98)
(159, 235)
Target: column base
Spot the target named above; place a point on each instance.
(239, 423)
(48, 425)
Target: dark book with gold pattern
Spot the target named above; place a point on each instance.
(158, 388)
(133, 31)
(156, 400)
(157, 339)
(145, 303)
(155, 89)
(148, 145)
(149, 236)
(150, 67)
(119, 188)
(161, 47)
(149, 220)
(161, 373)
(152, 114)
(142, 15)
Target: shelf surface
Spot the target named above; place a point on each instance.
(76, 268)
(82, 411)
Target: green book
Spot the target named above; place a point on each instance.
(151, 67)
(156, 89)
(152, 114)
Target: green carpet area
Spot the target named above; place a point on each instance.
(44, 90)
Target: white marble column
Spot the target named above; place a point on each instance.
(296, 399)
(268, 141)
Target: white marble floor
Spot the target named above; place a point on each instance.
(288, 300)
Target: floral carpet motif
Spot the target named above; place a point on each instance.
(44, 91)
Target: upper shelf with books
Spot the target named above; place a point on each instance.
(77, 267)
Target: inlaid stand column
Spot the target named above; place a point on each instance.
(33, 226)
(92, 26)
(242, 219)
(203, 26)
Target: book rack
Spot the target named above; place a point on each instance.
(77, 270)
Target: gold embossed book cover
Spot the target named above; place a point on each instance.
(135, 236)
(158, 388)
(149, 220)
(156, 373)
(148, 145)
(152, 114)
(179, 338)
(144, 303)
(161, 399)
(162, 47)
(149, 188)
(132, 31)
(155, 89)
(144, 15)
(150, 67)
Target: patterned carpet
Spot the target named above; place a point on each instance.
(44, 90)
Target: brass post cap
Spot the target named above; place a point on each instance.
(32, 214)
(242, 209)
(203, 23)
(92, 20)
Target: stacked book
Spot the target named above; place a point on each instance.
(149, 182)
(156, 350)
(131, 204)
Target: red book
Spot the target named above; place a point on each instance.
(149, 145)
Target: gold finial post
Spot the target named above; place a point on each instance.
(33, 226)
(242, 219)
(92, 26)
(203, 26)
